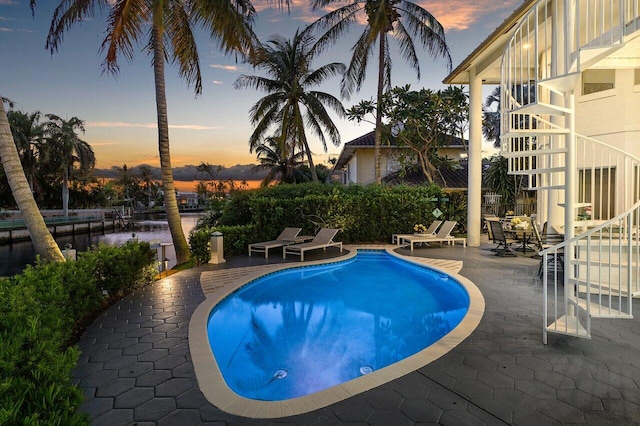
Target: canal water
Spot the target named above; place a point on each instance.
(14, 257)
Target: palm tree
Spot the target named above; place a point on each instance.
(28, 135)
(290, 103)
(171, 25)
(43, 242)
(275, 159)
(145, 174)
(128, 180)
(64, 149)
(402, 19)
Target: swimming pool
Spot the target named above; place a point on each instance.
(325, 332)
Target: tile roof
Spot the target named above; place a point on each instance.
(451, 179)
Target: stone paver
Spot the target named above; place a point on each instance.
(135, 366)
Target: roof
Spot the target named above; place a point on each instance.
(367, 141)
(455, 179)
(487, 56)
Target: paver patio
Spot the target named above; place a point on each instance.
(135, 366)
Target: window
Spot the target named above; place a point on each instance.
(597, 187)
(594, 81)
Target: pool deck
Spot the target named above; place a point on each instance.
(136, 368)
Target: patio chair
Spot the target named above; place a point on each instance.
(545, 241)
(322, 240)
(286, 237)
(431, 230)
(489, 233)
(504, 243)
(443, 235)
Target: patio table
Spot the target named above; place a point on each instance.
(524, 236)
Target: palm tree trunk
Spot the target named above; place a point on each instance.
(170, 199)
(42, 239)
(378, 131)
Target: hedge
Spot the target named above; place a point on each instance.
(369, 213)
(41, 312)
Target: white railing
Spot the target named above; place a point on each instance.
(596, 273)
(602, 267)
(547, 43)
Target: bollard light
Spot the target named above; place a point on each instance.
(166, 267)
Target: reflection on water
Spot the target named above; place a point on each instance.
(14, 257)
(300, 331)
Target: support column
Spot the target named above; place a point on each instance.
(474, 203)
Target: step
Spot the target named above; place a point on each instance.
(547, 187)
(550, 151)
(562, 83)
(602, 289)
(531, 172)
(595, 263)
(597, 310)
(590, 56)
(538, 108)
(523, 133)
(569, 325)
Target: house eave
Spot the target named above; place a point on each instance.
(486, 57)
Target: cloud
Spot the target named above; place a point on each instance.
(454, 15)
(458, 15)
(230, 68)
(149, 125)
(217, 82)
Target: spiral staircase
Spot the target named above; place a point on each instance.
(595, 272)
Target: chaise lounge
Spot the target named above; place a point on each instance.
(286, 237)
(443, 235)
(431, 231)
(322, 240)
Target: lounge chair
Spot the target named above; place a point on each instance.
(286, 237)
(322, 240)
(443, 235)
(431, 230)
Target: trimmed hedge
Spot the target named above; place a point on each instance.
(369, 213)
(41, 311)
(236, 239)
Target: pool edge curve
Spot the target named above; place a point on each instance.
(216, 391)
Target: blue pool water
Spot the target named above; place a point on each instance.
(299, 331)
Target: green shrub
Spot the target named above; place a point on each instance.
(40, 314)
(123, 268)
(363, 213)
(235, 241)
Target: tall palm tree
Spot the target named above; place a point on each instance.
(43, 242)
(128, 180)
(145, 173)
(290, 104)
(274, 157)
(64, 149)
(402, 19)
(171, 25)
(28, 135)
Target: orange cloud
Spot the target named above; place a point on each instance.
(458, 15)
(454, 15)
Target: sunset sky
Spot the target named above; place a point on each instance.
(120, 114)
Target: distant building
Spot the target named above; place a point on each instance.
(356, 164)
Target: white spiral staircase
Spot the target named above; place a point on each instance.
(540, 74)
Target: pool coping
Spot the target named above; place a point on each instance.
(215, 390)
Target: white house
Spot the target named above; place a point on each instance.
(569, 74)
(355, 164)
